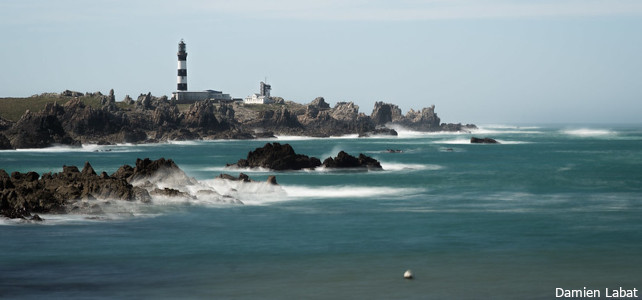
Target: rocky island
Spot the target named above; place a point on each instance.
(73, 118)
(275, 156)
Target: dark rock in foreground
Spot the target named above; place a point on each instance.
(474, 140)
(346, 161)
(22, 194)
(277, 157)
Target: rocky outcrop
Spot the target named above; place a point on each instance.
(474, 140)
(38, 130)
(201, 115)
(5, 143)
(344, 118)
(346, 161)
(5, 124)
(384, 113)
(424, 120)
(279, 157)
(319, 103)
(25, 193)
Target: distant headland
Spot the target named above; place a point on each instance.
(73, 118)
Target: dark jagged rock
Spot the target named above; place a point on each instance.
(384, 113)
(277, 157)
(244, 178)
(382, 131)
(168, 192)
(5, 143)
(68, 93)
(161, 168)
(38, 130)
(343, 119)
(424, 120)
(22, 194)
(346, 161)
(201, 115)
(394, 151)
(474, 140)
(5, 124)
(319, 103)
(457, 127)
(263, 134)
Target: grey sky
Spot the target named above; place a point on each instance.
(477, 61)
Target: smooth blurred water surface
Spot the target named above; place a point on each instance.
(549, 207)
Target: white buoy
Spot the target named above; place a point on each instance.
(408, 274)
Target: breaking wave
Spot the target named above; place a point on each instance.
(391, 166)
(322, 192)
(467, 142)
(304, 138)
(587, 132)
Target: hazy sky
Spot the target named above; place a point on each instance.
(477, 61)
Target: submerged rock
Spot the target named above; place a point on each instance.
(244, 178)
(474, 140)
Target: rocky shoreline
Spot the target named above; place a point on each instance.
(25, 195)
(151, 119)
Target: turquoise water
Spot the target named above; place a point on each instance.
(550, 207)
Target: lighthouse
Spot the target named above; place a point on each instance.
(182, 68)
(181, 95)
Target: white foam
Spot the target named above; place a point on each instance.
(303, 192)
(505, 126)
(249, 193)
(587, 132)
(403, 132)
(187, 143)
(491, 130)
(467, 141)
(505, 142)
(392, 166)
(236, 169)
(56, 149)
(304, 138)
(453, 141)
(84, 148)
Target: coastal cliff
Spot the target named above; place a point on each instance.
(72, 118)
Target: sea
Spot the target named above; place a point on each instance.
(551, 207)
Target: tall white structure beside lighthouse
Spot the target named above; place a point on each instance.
(181, 79)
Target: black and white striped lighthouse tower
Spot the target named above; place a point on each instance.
(182, 68)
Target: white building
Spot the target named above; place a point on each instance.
(262, 98)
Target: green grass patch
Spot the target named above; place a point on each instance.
(13, 108)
